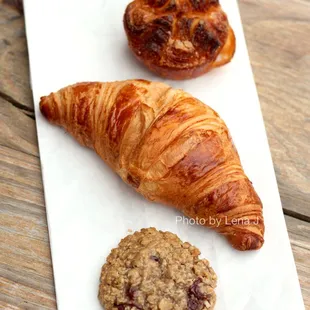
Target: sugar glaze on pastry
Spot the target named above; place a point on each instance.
(179, 39)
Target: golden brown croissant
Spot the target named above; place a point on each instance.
(179, 39)
(169, 146)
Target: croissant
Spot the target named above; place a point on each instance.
(169, 146)
(179, 39)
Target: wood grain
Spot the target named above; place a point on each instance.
(14, 65)
(26, 277)
(17, 130)
(299, 233)
(276, 32)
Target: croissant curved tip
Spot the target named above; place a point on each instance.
(246, 241)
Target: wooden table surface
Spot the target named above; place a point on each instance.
(277, 33)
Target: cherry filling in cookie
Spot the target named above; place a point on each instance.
(199, 296)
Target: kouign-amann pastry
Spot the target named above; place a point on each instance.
(179, 39)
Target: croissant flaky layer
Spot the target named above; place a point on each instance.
(169, 146)
(179, 39)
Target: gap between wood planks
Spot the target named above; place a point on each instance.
(296, 215)
(26, 110)
(30, 113)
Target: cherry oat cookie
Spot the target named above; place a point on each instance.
(179, 39)
(155, 270)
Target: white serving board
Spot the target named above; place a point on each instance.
(89, 209)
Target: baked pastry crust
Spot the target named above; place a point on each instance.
(155, 270)
(169, 146)
(179, 39)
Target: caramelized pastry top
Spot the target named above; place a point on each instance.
(178, 34)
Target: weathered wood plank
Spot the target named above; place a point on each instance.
(16, 4)
(25, 297)
(14, 65)
(18, 131)
(299, 232)
(25, 262)
(4, 305)
(276, 33)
